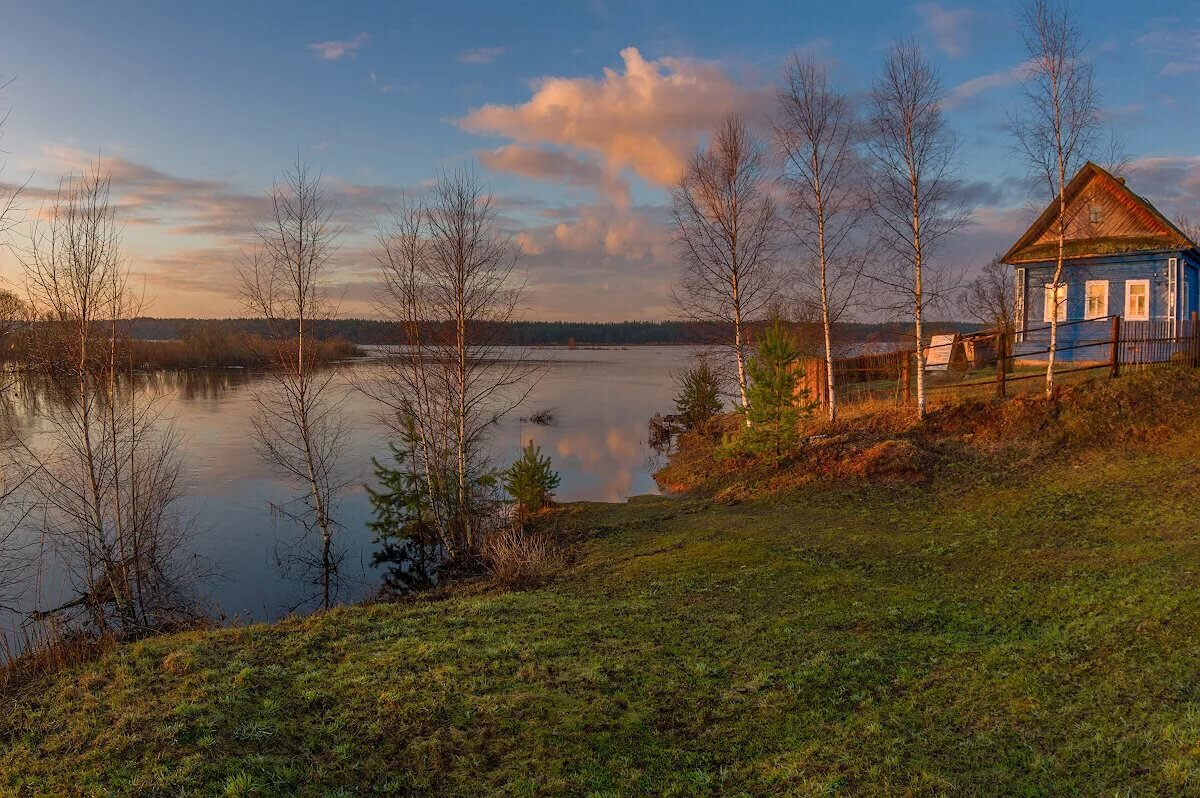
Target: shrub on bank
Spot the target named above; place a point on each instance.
(518, 557)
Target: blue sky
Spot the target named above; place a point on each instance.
(196, 107)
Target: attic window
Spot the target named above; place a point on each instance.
(1095, 214)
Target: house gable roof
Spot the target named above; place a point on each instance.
(1104, 217)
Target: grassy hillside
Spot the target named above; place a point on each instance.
(984, 630)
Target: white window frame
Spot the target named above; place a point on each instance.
(1048, 301)
(1087, 300)
(1129, 314)
(1173, 291)
(1019, 304)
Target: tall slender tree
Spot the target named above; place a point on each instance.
(109, 472)
(913, 184)
(10, 193)
(449, 278)
(1059, 127)
(14, 474)
(818, 134)
(298, 424)
(726, 233)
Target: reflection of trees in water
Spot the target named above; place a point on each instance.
(408, 566)
(204, 384)
(30, 394)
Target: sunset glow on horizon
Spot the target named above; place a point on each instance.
(578, 117)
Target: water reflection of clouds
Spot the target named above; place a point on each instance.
(603, 400)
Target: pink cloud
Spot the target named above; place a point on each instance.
(647, 118)
(631, 235)
(540, 163)
(1174, 41)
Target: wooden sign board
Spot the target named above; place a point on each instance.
(940, 351)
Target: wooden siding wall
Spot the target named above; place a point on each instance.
(1116, 269)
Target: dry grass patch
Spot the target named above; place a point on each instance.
(520, 558)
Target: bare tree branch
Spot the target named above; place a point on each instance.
(108, 476)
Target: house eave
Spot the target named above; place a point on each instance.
(1076, 257)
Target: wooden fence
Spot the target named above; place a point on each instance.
(993, 362)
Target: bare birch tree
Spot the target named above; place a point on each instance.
(110, 476)
(818, 135)
(10, 193)
(726, 234)
(1059, 127)
(297, 421)
(1190, 228)
(988, 299)
(448, 276)
(913, 185)
(12, 317)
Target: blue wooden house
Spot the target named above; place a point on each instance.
(1122, 258)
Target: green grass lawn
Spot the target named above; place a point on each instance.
(991, 632)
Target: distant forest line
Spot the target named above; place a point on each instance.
(368, 332)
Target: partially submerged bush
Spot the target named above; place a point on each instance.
(546, 417)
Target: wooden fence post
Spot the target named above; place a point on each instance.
(1195, 341)
(1114, 348)
(1001, 350)
(905, 377)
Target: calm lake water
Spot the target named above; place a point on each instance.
(603, 399)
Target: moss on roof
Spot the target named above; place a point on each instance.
(1095, 247)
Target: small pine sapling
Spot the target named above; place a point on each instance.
(530, 481)
(776, 403)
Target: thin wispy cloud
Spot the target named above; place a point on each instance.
(1172, 41)
(949, 27)
(384, 87)
(334, 50)
(480, 55)
(967, 91)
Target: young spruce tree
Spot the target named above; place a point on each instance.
(530, 480)
(699, 397)
(407, 542)
(775, 408)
